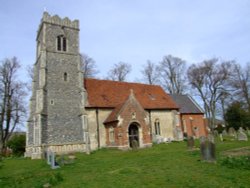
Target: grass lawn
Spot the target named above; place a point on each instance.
(163, 165)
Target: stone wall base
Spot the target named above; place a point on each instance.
(126, 147)
(37, 152)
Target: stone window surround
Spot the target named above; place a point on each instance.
(61, 43)
(157, 127)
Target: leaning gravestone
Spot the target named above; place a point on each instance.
(207, 147)
(242, 135)
(190, 142)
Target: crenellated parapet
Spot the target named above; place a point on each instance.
(66, 22)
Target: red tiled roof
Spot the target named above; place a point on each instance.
(114, 114)
(109, 94)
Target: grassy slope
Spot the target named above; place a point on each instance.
(164, 165)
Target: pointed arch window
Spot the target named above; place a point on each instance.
(157, 127)
(61, 43)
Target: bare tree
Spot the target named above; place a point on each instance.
(149, 73)
(241, 83)
(172, 71)
(12, 100)
(88, 66)
(119, 71)
(210, 79)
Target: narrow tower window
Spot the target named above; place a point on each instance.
(61, 43)
(65, 77)
(52, 102)
(64, 44)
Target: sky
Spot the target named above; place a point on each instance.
(133, 31)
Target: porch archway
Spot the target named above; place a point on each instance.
(133, 134)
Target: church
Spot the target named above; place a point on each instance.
(71, 114)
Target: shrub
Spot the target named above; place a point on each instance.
(17, 144)
(242, 162)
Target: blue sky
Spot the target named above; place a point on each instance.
(134, 31)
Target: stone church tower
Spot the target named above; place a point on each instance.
(57, 119)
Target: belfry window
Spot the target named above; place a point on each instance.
(65, 77)
(64, 44)
(61, 43)
(157, 127)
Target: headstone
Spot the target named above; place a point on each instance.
(211, 147)
(54, 164)
(242, 135)
(216, 133)
(224, 133)
(203, 147)
(51, 160)
(207, 148)
(190, 142)
(248, 131)
(48, 157)
(221, 137)
(231, 131)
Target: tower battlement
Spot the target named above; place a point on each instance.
(66, 22)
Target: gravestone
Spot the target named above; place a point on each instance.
(216, 133)
(207, 147)
(248, 131)
(231, 131)
(224, 133)
(190, 142)
(242, 135)
(51, 160)
(221, 137)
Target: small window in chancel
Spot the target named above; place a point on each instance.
(157, 127)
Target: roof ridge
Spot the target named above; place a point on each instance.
(125, 82)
